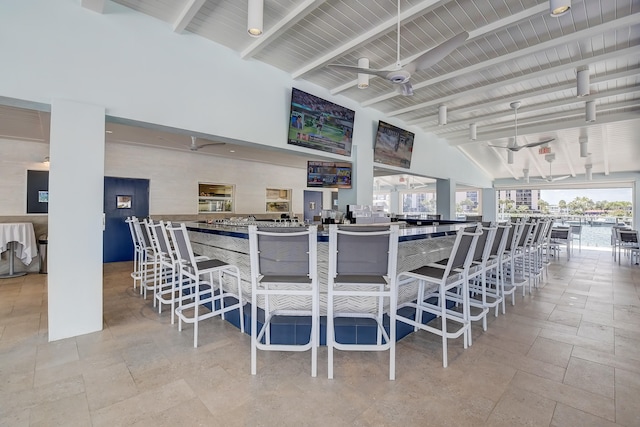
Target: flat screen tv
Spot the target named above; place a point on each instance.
(393, 146)
(329, 174)
(320, 124)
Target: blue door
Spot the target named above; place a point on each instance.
(312, 204)
(123, 197)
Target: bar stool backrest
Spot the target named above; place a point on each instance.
(500, 239)
(525, 234)
(466, 241)
(181, 243)
(285, 251)
(353, 260)
(628, 236)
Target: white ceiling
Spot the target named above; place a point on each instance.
(515, 52)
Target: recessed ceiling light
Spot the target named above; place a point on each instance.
(232, 151)
(108, 131)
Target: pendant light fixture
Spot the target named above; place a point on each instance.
(588, 171)
(510, 157)
(584, 149)
(254, 17)
(442, 115)
(525, 172)
(473, 131)
(559, 7)
(590, 111)
(363, 79)
(582, 83)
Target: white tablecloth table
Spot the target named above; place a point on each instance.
(20, 239)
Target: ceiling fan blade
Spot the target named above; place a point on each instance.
(211, 144)
(560, 178)
(438, 53)
(379, 73)
(536, 144)
(499, 146)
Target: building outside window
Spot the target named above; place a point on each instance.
(423, 202)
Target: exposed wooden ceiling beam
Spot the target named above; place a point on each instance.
(479, 32)
(495, 62)
(271, 34)
(186, 15)
(94, 5)
(451, 114)
(541, 124)
(379, 30)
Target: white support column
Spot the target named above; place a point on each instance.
(361, 191)
(489, 204)
(76, 187)
(446, 198)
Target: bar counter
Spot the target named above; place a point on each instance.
(230, 243)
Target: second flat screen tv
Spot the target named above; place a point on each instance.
(320, 124)
(393, 146)
(329, 174)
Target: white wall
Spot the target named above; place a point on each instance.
(16, 157)
(173, 175)
(140, 70)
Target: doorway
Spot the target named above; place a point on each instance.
(312, 205)
(123, 197)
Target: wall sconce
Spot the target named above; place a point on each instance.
(510, 157)
(254, 17)
(473, 131)
(363, 79)
(525, 172)
(559, 7)
(588, 173)
(582, 82)
(442, 115)
(584, 149)
(590, 111)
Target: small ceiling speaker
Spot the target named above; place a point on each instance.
(588, 172)
(255, 17)
(559, 7)
(442, 115)
(584, 148)
(583, 83)
(590, 111)
(510, 157)
(473, 131)
(525, 172)
(363, 79)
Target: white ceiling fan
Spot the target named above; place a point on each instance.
(195, 147)
(513, 145)
(550, 158)
(400, 75)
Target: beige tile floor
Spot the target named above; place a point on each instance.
(568, 355)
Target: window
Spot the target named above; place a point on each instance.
(278, 200)
(382, 201)
(215, 198)
(423, 202)
(468, 202)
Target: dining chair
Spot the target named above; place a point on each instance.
(628, 244)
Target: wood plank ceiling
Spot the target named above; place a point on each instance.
(516, 51)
